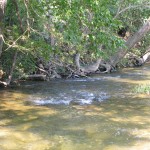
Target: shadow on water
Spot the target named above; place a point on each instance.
(120, 122)
(121, 125)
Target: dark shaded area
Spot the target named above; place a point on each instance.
(122, 31)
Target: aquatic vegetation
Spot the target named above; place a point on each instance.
(144, 89)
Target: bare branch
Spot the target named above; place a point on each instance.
(146, 5)
(26, 5)
(119, 8)
(14, 43)
(18, 15)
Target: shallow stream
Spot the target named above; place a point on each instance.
(97, 113)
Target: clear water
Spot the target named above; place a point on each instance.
(97, 113)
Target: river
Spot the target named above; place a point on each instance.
(97, 113)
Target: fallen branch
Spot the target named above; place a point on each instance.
(36, 77)
(3, 84)
(88, 68)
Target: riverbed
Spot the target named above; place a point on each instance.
(101, 112)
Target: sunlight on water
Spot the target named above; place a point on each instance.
(99, 115)
(74, 97)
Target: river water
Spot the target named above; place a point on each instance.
(97, 113)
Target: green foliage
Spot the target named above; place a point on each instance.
(143, 89)
(85, 26)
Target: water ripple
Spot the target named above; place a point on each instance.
(77, 97)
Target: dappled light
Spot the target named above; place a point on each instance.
(119, 121)
(74, 75)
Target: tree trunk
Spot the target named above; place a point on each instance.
(2, 7)
(1, 41)
(12, 69)
(89, 68)
(130, 43)
(16, 53)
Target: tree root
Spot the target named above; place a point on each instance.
(107, 67)
(3, 84)
(88, 68)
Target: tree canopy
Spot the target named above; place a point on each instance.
(54, 31)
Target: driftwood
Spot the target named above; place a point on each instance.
(146, 56)
(3, 84)
(92, 68)
(89, 68)
(36, 77)
(107, 67)
(55, 75)
(134, 60)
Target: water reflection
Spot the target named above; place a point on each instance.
(118, 122)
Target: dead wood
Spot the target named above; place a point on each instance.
(88, 68)
(36, 77)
